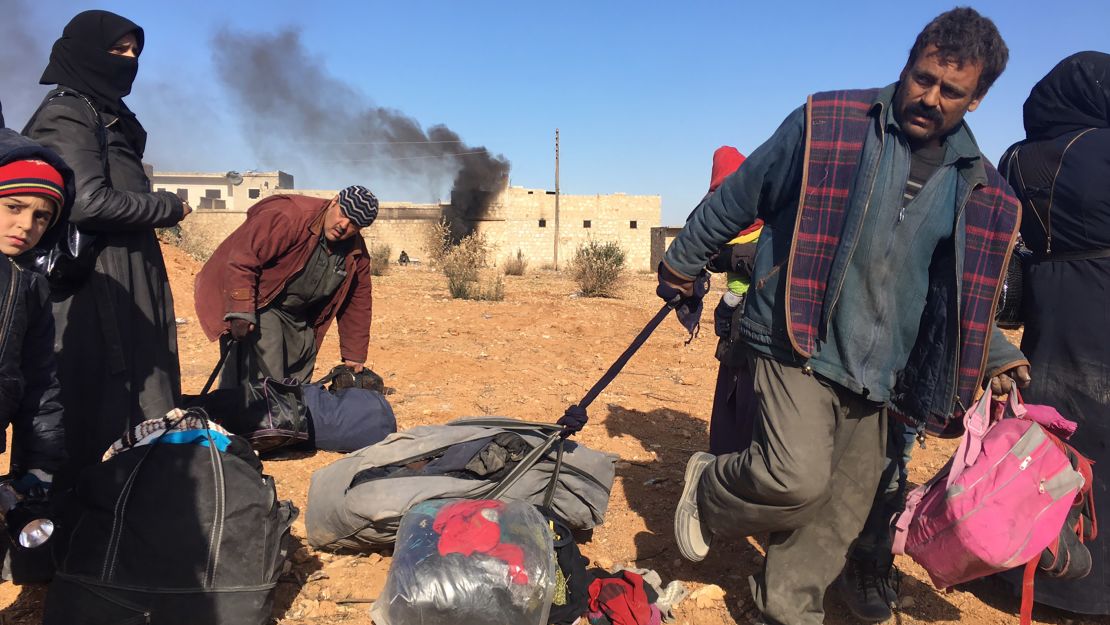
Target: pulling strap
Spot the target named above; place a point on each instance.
(622, 360)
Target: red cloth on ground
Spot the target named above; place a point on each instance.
(622, 599)
(726, 159)
(467, 528)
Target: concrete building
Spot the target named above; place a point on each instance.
(229, 191)
(519, 219)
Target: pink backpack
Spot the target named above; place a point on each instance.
(998, 503)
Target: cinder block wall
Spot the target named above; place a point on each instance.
(521, 219)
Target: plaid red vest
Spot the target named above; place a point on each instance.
(837, 124)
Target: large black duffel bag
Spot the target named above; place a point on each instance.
(178, 526)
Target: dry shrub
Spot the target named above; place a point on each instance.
(598, 268)
(438, 242)
(515, 265)
(463, 263)
(491, 290)
(380, 253)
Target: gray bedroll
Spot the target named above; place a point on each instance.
(367, 516)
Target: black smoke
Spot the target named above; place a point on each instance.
(24, 51)
(294, 111)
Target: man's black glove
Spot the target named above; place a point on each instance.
(573, 420)
(684, 295)
(240, 328)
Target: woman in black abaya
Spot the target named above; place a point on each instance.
(1061, 173)
(116, 334)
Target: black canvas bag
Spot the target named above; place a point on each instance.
(270, 414)
(173, 534)
(347, 419)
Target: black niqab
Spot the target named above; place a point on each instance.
(1073, 96)
(80, 60)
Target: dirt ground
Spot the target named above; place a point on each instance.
(529, 357)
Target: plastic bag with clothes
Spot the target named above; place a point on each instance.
(469, 562)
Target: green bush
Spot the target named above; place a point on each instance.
(515, 265)
(380, 253)
(598, 268)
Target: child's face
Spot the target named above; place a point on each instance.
(23, 220)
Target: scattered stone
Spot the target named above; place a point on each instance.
(344, 561)
(317, 576)
(708, 596)
(374, 558)
(655, 481)
(906, 602)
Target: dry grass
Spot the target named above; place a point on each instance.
(380, 253)
(438, 242)
(516, 265)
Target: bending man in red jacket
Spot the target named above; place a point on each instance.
(279, 279)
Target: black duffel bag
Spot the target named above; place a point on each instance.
(179, 526)
(270, 414)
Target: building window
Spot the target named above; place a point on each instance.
(183, 194)
(586, 223)
(212, 193)
(253, 193)
(543, 223)
(632, 224)
(212, 203)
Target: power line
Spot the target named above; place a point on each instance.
(374, 142)
(404, 158)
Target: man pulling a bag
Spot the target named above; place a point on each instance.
(277, 282)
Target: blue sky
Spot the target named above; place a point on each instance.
(642, 92)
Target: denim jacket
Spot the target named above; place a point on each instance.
(768, 186)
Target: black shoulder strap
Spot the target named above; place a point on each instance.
(101, 129)
(1014, 167)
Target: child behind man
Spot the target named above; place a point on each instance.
(36, 192)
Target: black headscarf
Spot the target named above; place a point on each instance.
(1073, 96)
(80, 60)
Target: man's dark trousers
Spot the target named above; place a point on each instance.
(808, 479)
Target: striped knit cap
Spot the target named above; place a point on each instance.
(359, 205)
(32, 177)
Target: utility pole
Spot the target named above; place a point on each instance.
(556, 263)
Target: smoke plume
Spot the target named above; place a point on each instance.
(294, 111)
(23, 55)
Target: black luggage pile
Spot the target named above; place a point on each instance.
(272, 415)
(178, 525)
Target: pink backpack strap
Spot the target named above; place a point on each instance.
(977, 421)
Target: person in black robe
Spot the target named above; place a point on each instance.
(116, 333)
(1060, 173)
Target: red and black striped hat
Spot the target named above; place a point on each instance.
(31, 177)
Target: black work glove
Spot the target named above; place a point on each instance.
(722, 318)
(573, 420)
(240, 328)
(684, 295)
